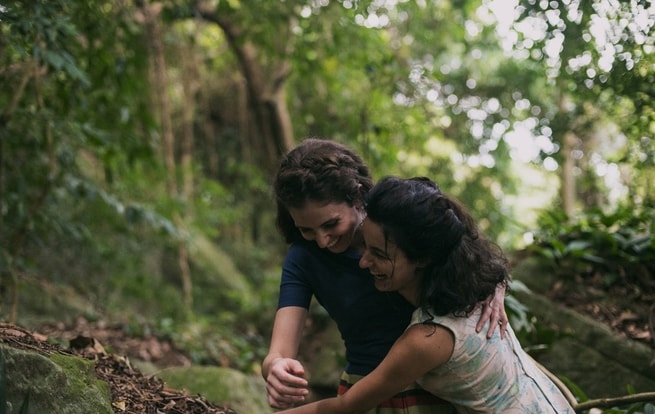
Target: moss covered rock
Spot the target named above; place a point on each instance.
(227, 387)
(54, 383)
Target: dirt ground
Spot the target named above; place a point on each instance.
(132, 392)
(626, 308)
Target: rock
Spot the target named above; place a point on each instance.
(589, 354)
(42, 302)
(227, 387)
(56, 383)
(328, 356)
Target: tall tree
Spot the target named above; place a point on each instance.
(264, 69)
(598, 57)
(56, 60)
(155, 33)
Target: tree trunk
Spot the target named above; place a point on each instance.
(151, 14)
(190, 86)
(568, 175)
(271, 132)
(16, 239)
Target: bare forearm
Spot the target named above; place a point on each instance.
(335, 405)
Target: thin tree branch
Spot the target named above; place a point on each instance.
(597, 403)
(11, 108)
(614, 402)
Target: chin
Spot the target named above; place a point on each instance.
(383, 285)
(337, 248)
(340, 247)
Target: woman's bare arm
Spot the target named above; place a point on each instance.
(283, 373)
(420, 349)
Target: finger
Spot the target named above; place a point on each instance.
(494, 323)
(293, 381)
(283, 389)
(504, 321)
(291, 373)
(487, 311)
(284, 397)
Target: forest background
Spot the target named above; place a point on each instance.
(138, 140)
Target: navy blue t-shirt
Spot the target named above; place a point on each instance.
(370, 321)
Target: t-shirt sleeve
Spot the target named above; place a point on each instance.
(295, 286)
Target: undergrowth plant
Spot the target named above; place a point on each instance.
(618, 245)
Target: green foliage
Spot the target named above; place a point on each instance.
(619, 245)
(54, 33)
(57, 119)
(518, 312)
(575, 390)
(616, 246)
(639, 408)
(227, 340)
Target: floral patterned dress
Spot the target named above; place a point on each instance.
(489, 375)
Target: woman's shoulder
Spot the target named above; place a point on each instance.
(426, 315)
(459, 324)
(434, 343)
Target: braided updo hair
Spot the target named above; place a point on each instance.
(462, 267)
(322, 171)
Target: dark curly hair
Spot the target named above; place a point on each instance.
(463, 267)
(322, 171)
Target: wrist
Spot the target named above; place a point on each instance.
(269, 361)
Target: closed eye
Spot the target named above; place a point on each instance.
(380, 254)
(330, 224)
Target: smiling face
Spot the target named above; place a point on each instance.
(333, 226)
(388, 264)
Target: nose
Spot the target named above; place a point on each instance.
(365, 261)
(322, 239)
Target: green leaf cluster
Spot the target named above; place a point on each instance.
(619, 245)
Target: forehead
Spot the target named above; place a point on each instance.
(377, 241)
(374, 235)
(314, 214)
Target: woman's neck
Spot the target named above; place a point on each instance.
(410, 293)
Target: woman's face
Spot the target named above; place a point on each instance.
(333, 226)
(388, 264)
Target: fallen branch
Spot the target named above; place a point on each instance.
(614, 402)
(651, 323)
(597, 403)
